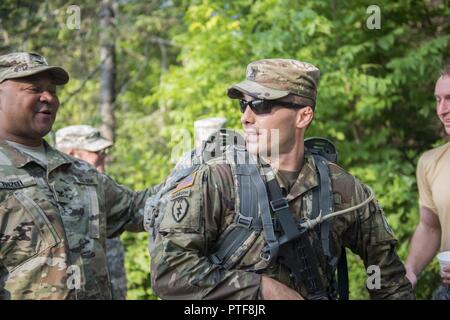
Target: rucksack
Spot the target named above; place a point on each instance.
(229, 147)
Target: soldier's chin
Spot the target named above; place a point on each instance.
(42, 132)
(446, 127)
(256, 149)
(252, 147)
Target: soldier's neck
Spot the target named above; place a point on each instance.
(30, 142)
(292, 161)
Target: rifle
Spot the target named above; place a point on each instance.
(298, 256)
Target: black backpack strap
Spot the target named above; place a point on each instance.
(265, 215)
(280, 208)
(297, 253)
(253, 215)
(323, 203)
(246, 222)
(342, 274)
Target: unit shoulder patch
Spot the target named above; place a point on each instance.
(179, 209)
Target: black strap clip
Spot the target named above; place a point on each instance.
(214, 258)
(279, 204)
(244, 221)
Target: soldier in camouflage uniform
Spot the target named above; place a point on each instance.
(86, 143)
(201, 210)
(55, 211)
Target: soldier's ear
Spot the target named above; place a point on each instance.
(304, 117)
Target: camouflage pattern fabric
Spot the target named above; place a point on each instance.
(201, 210)
(442, 292)
(273, 79)
(24, 64)
(82, 137)
(115, 256)
(54, 223)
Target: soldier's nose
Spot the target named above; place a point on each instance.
(248, 116)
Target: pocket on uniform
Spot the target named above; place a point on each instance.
(90, 186)
(26, 230)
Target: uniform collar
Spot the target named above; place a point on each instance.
(20, 159)
(306, 180)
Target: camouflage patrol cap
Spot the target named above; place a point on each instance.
(273, 79)
(81, 137)
(24, 64)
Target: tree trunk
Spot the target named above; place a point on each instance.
(107, 68)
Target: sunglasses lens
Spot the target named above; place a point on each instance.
(260, 106)
(243, 105)
(257, 106)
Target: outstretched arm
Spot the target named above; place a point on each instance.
(424, 244)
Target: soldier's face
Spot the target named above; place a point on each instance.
(28, 108)
(271, 133)
(442, 94)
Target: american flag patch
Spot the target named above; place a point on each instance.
(186, 182)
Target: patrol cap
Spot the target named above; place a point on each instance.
(273, 79)
(82, 137)
(24, 64)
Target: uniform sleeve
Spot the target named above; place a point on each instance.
(124, 208)
(192, 219)
(4, 294)
(425, 195)
(373, 240)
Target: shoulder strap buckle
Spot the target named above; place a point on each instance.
(244, 221)
(279, 204)
(265, 256)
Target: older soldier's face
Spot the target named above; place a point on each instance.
(442, 94)
(269, 133)
(28, 108)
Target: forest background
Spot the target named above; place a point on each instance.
(144, 71)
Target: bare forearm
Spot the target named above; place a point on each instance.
(275, 290)
(424, 245)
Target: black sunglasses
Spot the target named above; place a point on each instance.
(265, 106)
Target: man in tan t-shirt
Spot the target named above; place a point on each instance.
(433, 177)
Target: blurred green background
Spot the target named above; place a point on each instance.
(175, 59)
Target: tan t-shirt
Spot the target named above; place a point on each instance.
(433, 180)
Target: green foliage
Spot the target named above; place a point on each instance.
(176, 59)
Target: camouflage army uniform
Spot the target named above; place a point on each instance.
(115, 256)
(54, 223)
(85, 137)
(202, 210)
(442, 292)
